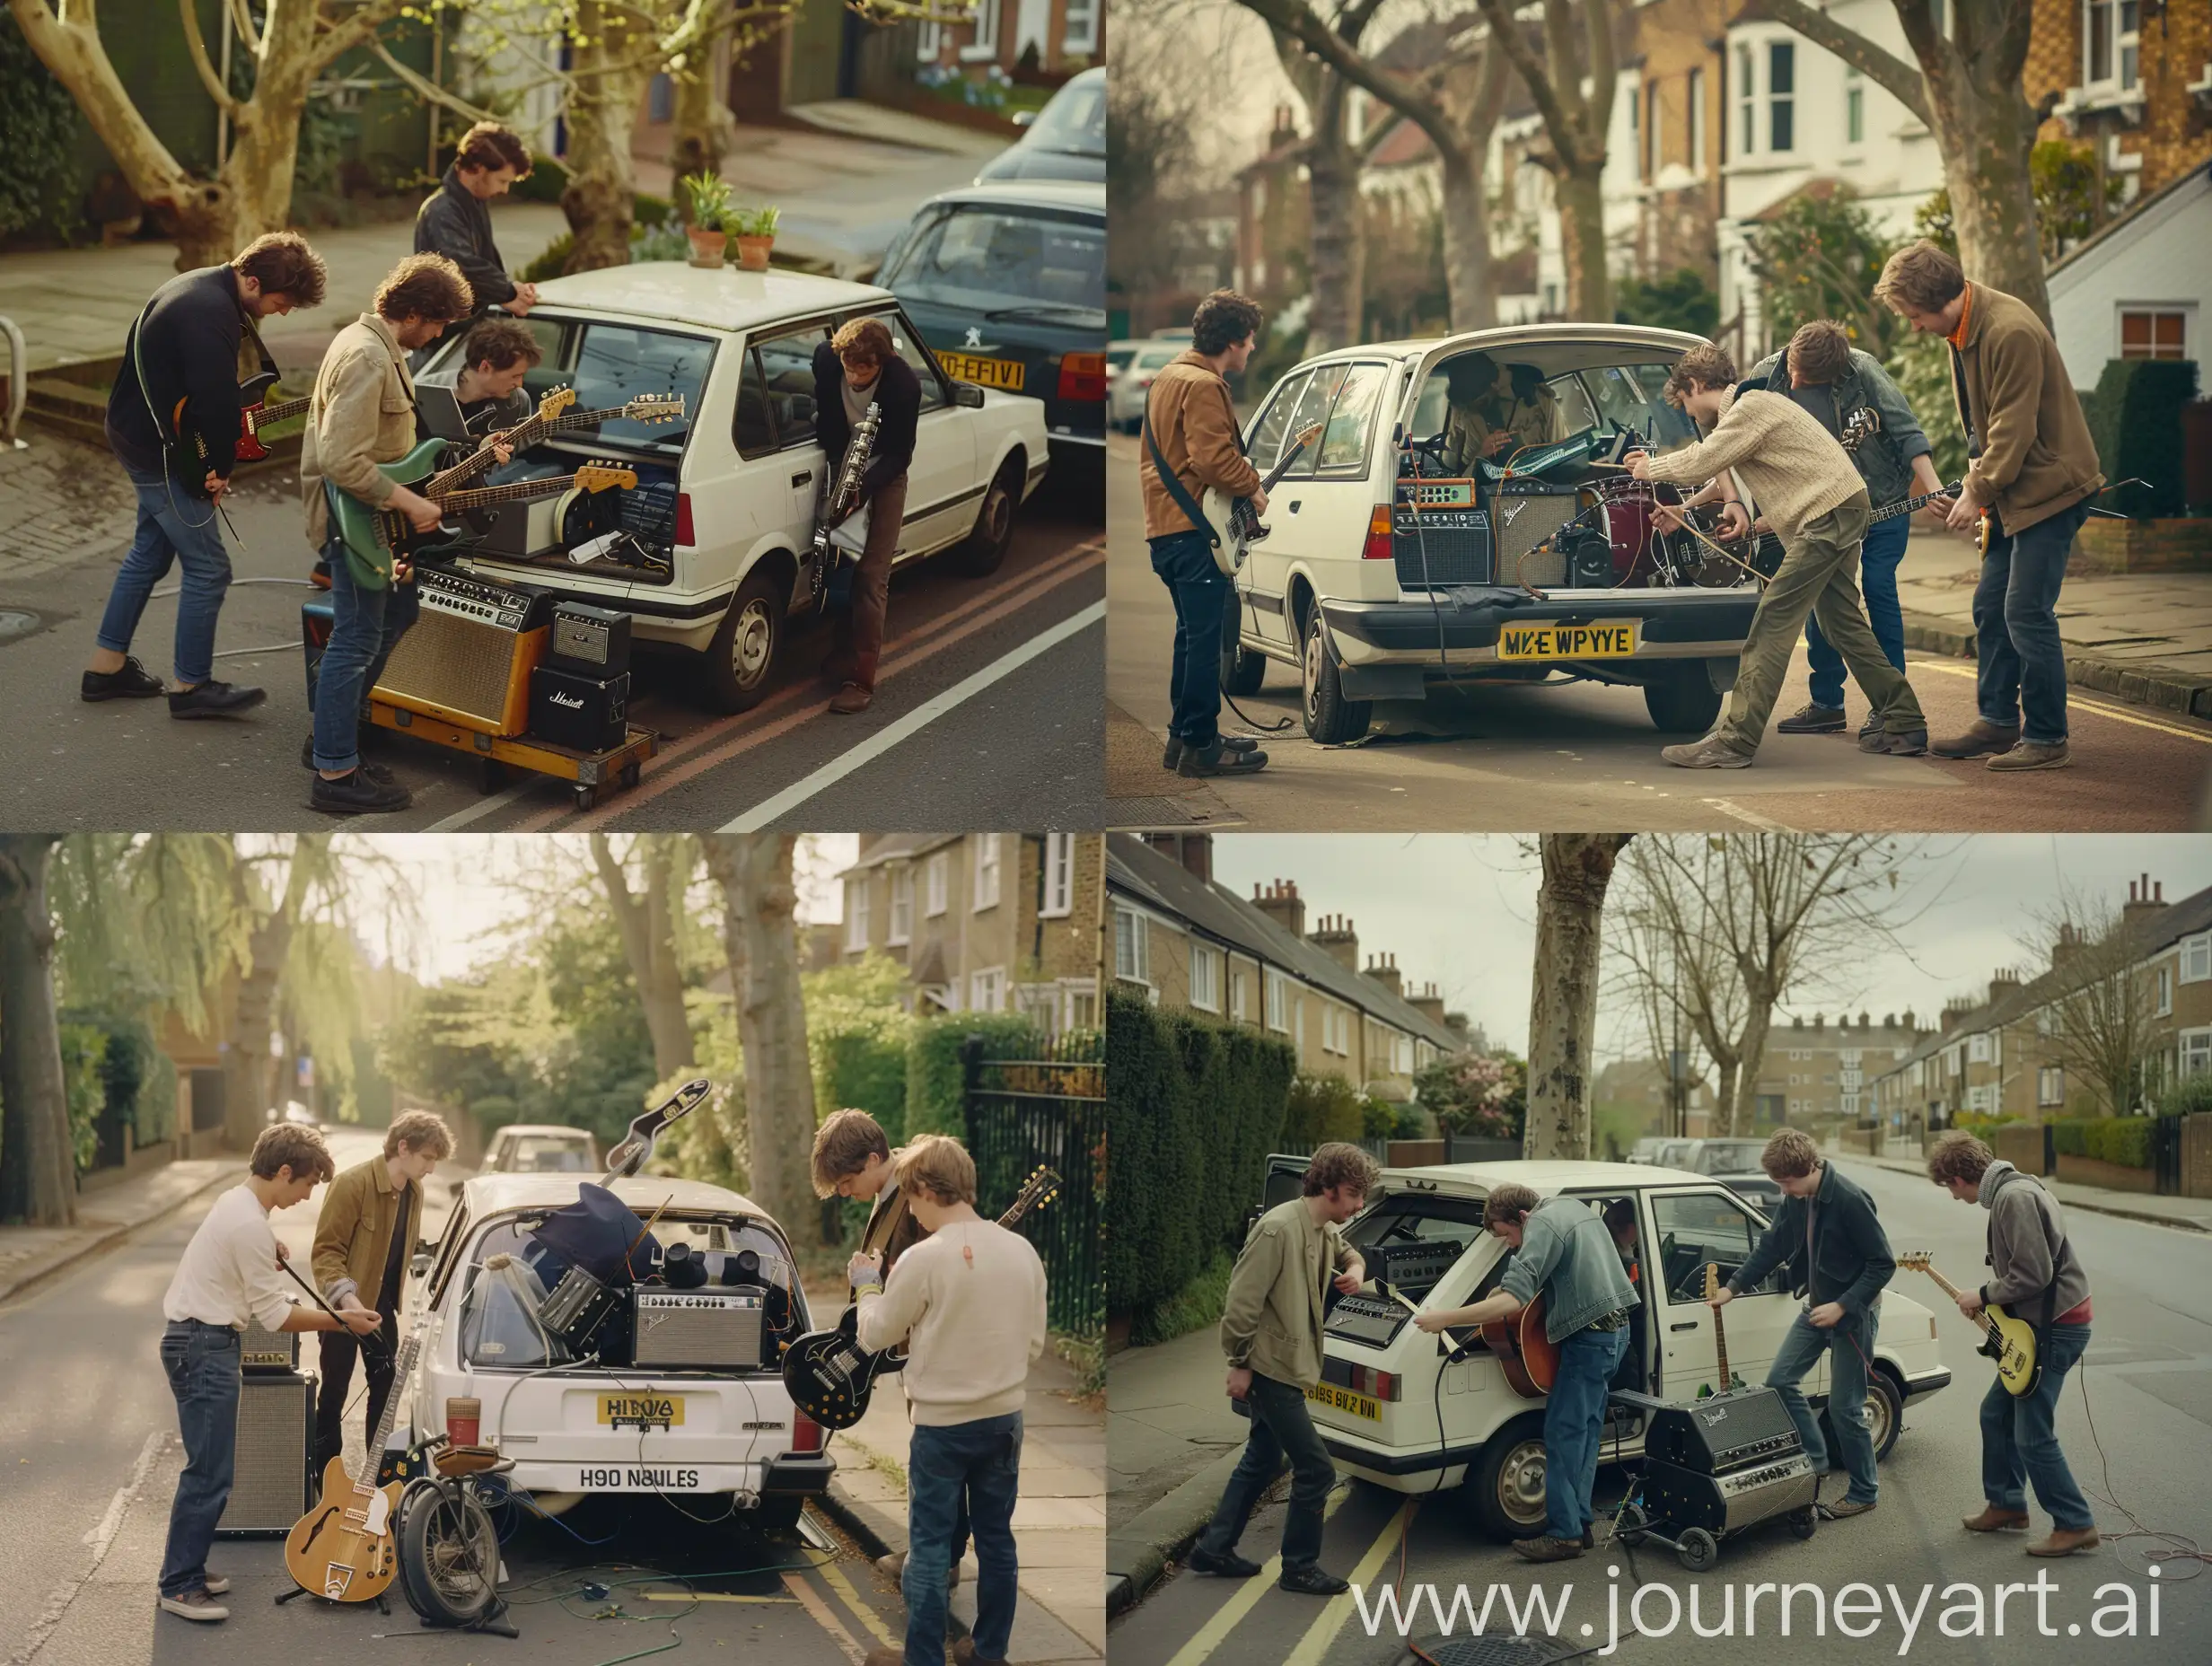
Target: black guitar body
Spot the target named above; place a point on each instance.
(829, 1376)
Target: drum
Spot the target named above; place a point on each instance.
(579, 1305)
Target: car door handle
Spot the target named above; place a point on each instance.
(1686, 1325)
(1294, 504)
(803, 477)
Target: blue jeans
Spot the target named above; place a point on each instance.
(2020, 1440)
(202, 1364)
(173, 526)
(1878, 579)
(980, 1462)
(1185, 564)
(1574, 1427)
(2022, 660)
(365, 626)
(1281, 1428)
(1849, 1346)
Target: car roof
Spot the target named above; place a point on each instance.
(1547, 1178)
(492, 1193)
(1513, 335)
(720, 298)
(543, 1127)
(1079, 194)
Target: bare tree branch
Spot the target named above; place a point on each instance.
(1295, 18)
(196, 43)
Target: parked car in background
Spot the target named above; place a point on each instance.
(1646, 1150)
(1007, 284)
(542, 1148)
(1734, 1162)
(1067, 141)
(292, 1110)
(1126, 397)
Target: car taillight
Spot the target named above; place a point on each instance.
(464, 1421)
(1083, 376)
(1382, 1385)
(805, 1433)
(683, 519)
(1378, 545)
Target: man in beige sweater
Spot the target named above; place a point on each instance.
(969, 1301)
(1811, 494)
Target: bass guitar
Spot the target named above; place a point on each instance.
(1765, 551)
(343, 1547)
(554, 416)
(372, 533)
(2009, 1341)
(831, 1376)
(1729, 1380)
(1234, 522)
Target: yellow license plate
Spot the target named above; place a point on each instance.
(1343, 1399)
(984, 373)
(641, 1411)
(1615, 641)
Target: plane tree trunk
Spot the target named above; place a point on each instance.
(38, 1166)
(1563, 999)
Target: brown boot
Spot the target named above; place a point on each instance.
(2064, 1541)
(2032, 755)
(1984, 739)
(1992, 1519)
(964, 1655)
(854, 696)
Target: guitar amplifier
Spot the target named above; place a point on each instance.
(1441, 546)
(678, 1329)
(1725, 1433)
(267, 1350)
(271, 1480)
(469, 658)
(592, 641)
(1723, 1504)
(1414, 1267)
(1524, 513)
(582, 713)
(1366, 1319)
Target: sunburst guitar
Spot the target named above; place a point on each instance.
(346, 1548)
(2009, 1341)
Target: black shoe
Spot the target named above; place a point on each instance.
(1220, 758)
(1312, 1582)
(357, 793)
(1589, 1539)
(1174, 755)
(375, 772)
(133, 683)
(1812, 719)
(1226, 1564)
(215, 699)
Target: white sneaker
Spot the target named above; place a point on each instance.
(195, 1605)
(216, 1585)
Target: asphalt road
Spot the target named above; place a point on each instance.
(2148, 1381)
(944, 728)
(88, 1458)
(1577, 755)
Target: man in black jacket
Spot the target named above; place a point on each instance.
(1837, 1253)
(176, 434)
(859, 366)
(457, 222)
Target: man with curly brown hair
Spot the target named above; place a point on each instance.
(859, 366)
(456, 221)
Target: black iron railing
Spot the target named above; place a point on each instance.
(1048, 1111)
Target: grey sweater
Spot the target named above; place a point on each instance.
(2027, 1238)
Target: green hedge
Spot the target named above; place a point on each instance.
(84, 1051)
(1192, 1110)
(2187, 1096)
(2134, 416)
(867, 1072)
(937, 1082)
(1322, 1107)
(2123, 1140)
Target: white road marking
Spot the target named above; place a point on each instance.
(100, 1537)
(1752, 816)
(761, 814)
(483, 807)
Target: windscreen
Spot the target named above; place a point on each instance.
(1075, 120)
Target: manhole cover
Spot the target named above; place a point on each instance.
(1501, 1650)
(15, 624)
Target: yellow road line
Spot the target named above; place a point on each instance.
(810, 1600)
(2074, 701)
(707, 1596)
(1321, 1634)
(1231, 1614)
(865, 1615)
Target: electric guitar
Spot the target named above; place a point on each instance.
(1235, 524)
(628, 1158)
(2009, 1341)
(1728, 1379)
(371, 533)
(259, 415)
(554, 416)
(1766, 551)
(1529, 1358)
(829, 1376)
(343, 1547)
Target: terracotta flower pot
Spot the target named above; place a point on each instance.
(708, 248)
(752, 252)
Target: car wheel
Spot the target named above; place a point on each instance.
(987, 546)
(1506, 1487)
(1681, 698)
(1885, 1415)
(1242, 669)
(780, 1512)
(740, 664)
(1330, 719)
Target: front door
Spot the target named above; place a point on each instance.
(1688, 1228)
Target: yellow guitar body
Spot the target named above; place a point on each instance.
(2014, 1352)
(345, 1548)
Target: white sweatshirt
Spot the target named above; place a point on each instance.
(969, 1302)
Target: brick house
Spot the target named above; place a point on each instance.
(1063, 36)
(1821, 1072)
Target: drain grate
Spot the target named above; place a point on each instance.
(1498, 1650)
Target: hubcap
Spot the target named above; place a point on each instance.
(998, 514)
(1312, 675)
(1521, 1482)
(749, 645)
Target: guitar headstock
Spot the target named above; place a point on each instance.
(1712, 1280)
(554, 402)
(1861, 426)
(1040, 1190)
(1308, 436)
(1916, 1261)
(654, 408)
(599, 477)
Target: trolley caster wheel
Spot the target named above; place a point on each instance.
(1697, 1549)
(1805, 1522)
(491, 775)
(1631, 1527)
(629, 777)
(587, 796)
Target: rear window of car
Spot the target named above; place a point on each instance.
(1730, 1157)
(1005, 259)
(1118, 358)
(1075, 120)
(611, 364)
(547, 1153)
(1410, 1218)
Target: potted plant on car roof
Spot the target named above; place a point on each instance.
(706, 199)
(755, 230)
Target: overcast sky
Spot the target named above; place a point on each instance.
(1459, 910)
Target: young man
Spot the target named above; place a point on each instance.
(2036, 1275)
(1827, 1232)
(364, 1238)
(228, 1279)
(1271, 1331)
(487, 379)
(456, 222)
(176, 434)
(1487, 421)
(1191, 433)
(1815, 500)
(858, 366)
(2035, 470)
(1564, 1250)
(1821, 370)
(969, 1301)
(363, 414)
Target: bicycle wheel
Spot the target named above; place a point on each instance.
(449, 1558)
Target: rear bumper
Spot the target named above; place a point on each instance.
(789, 1474)
(1927, 1383)
(800, 1475)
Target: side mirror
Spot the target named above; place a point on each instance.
(1024, 118)
(967, 395)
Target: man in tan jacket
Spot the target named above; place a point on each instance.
(362, 413)
(1191, 421)
(2035, 470)
(1271, 1331)
(363, 1239)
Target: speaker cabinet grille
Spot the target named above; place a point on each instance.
(697, 1328)
(276, 1432)
(468, 659)
(1524, 519)
(1447, 546)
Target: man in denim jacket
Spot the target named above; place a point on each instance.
(1565, 1251)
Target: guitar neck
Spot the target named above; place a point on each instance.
(1905, 506)
(268, 414)
(1720, 1348)
(512, 492)
(1983, 1319)
(366, 1485)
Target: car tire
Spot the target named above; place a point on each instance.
(1330, 719)
(1885, 1415)
(1681, 698)
(1504, 1486)
(780, 1512)
(740, 664)
(985, 549)
(1242, 669)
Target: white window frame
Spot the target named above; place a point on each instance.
(1278, 1001)
(1059, 859)
(1240, 993)
(857, 913)
(1205, 977)
(2192, 1052)
(2050, 1086)
(1697, 122)
(1747, 100)
(900, 927)
(987, 989)
(2124, 42)
(2196, 957)
(1854, 108)
(1082, 1006)
(1402, 1053)
(1082, 26)
(1977, 1049)
(2187, 308)
(1635, 131)
(1654, 133)
(985, 872)
(2165, 990)
(984, 45)
(1132, 947)
(928, 41)
(935, 875)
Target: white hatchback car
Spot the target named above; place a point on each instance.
(582, 1427)
(724, 511)
(1374, 600)
(1391, 1411)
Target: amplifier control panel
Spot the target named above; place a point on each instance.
(473, 599)
(1415, 1268)
(1367, 1320)
(1750, 1480)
